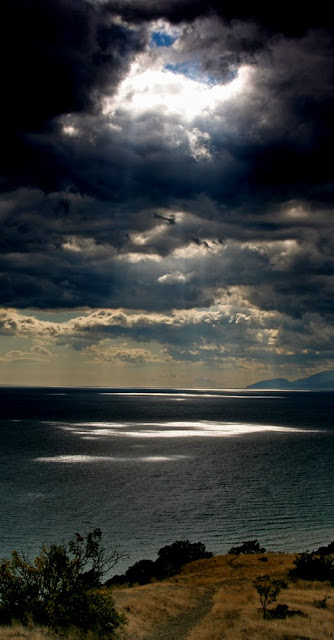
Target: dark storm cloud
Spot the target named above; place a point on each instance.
(56, 57)
(280, 17)
(168, 219)
(274, 147)
(59, 57)
(109, 231)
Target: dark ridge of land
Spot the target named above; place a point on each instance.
(317, 382)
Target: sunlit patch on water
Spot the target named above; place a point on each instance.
(184, 395)
(84, 459)
(175, 429)
(84, 424)
(255, 466)
(204, 430)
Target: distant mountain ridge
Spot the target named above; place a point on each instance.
(323, 380)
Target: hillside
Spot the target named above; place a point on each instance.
(214, 599)
(319, 381)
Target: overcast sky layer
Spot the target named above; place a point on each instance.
(166, 192)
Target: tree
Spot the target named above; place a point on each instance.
(172, 557)
(169, 562)
(61, 587)
(141, 572)
(268, 590)
(249, 546)
(326, 550)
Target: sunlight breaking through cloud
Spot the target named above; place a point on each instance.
(170, 93)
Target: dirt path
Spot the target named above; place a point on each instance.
(178, 627)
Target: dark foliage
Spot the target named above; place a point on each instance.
(172, 557)
(323, 551)
(169, 562)
(141, 572)
(61, 587)
(268, 590)
(117, 580)
(322, 604)
(313, 566)
(249, 546)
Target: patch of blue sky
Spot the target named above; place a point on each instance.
(162, 39)
(193, 71)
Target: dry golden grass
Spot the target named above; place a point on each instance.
(17, 632)
(215, 599)
(150, 606)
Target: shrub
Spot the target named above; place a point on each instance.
(172, 557)
(249, 546)
(311, 566)
(141, 572)
(268, 590)
(61, 587)
(326, 550)
(322, 604)
(169, 562)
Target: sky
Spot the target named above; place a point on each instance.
(167, 192)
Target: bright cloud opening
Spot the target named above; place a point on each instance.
(170, 93)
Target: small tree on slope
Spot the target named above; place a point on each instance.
(268, 590)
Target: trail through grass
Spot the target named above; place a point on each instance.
(215, 599)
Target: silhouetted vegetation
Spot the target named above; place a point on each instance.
(325, 551)
(249, 546)
(268, 590)
(169, 562)
(322, 603)
(172, 557)
(61, 587)
(141, 572)
(313, 566)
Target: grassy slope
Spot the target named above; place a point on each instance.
(215, 599)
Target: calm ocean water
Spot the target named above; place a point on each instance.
(152, 467)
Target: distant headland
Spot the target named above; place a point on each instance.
(317, 382)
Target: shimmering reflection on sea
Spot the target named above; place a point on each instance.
(151, 467)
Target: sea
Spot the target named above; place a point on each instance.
(152, 466)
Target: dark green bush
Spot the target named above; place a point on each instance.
(328, 550)
(249, 546)
(141, 572)
(172, 557)
(169, 562)
(61, 587)
(313, 566)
